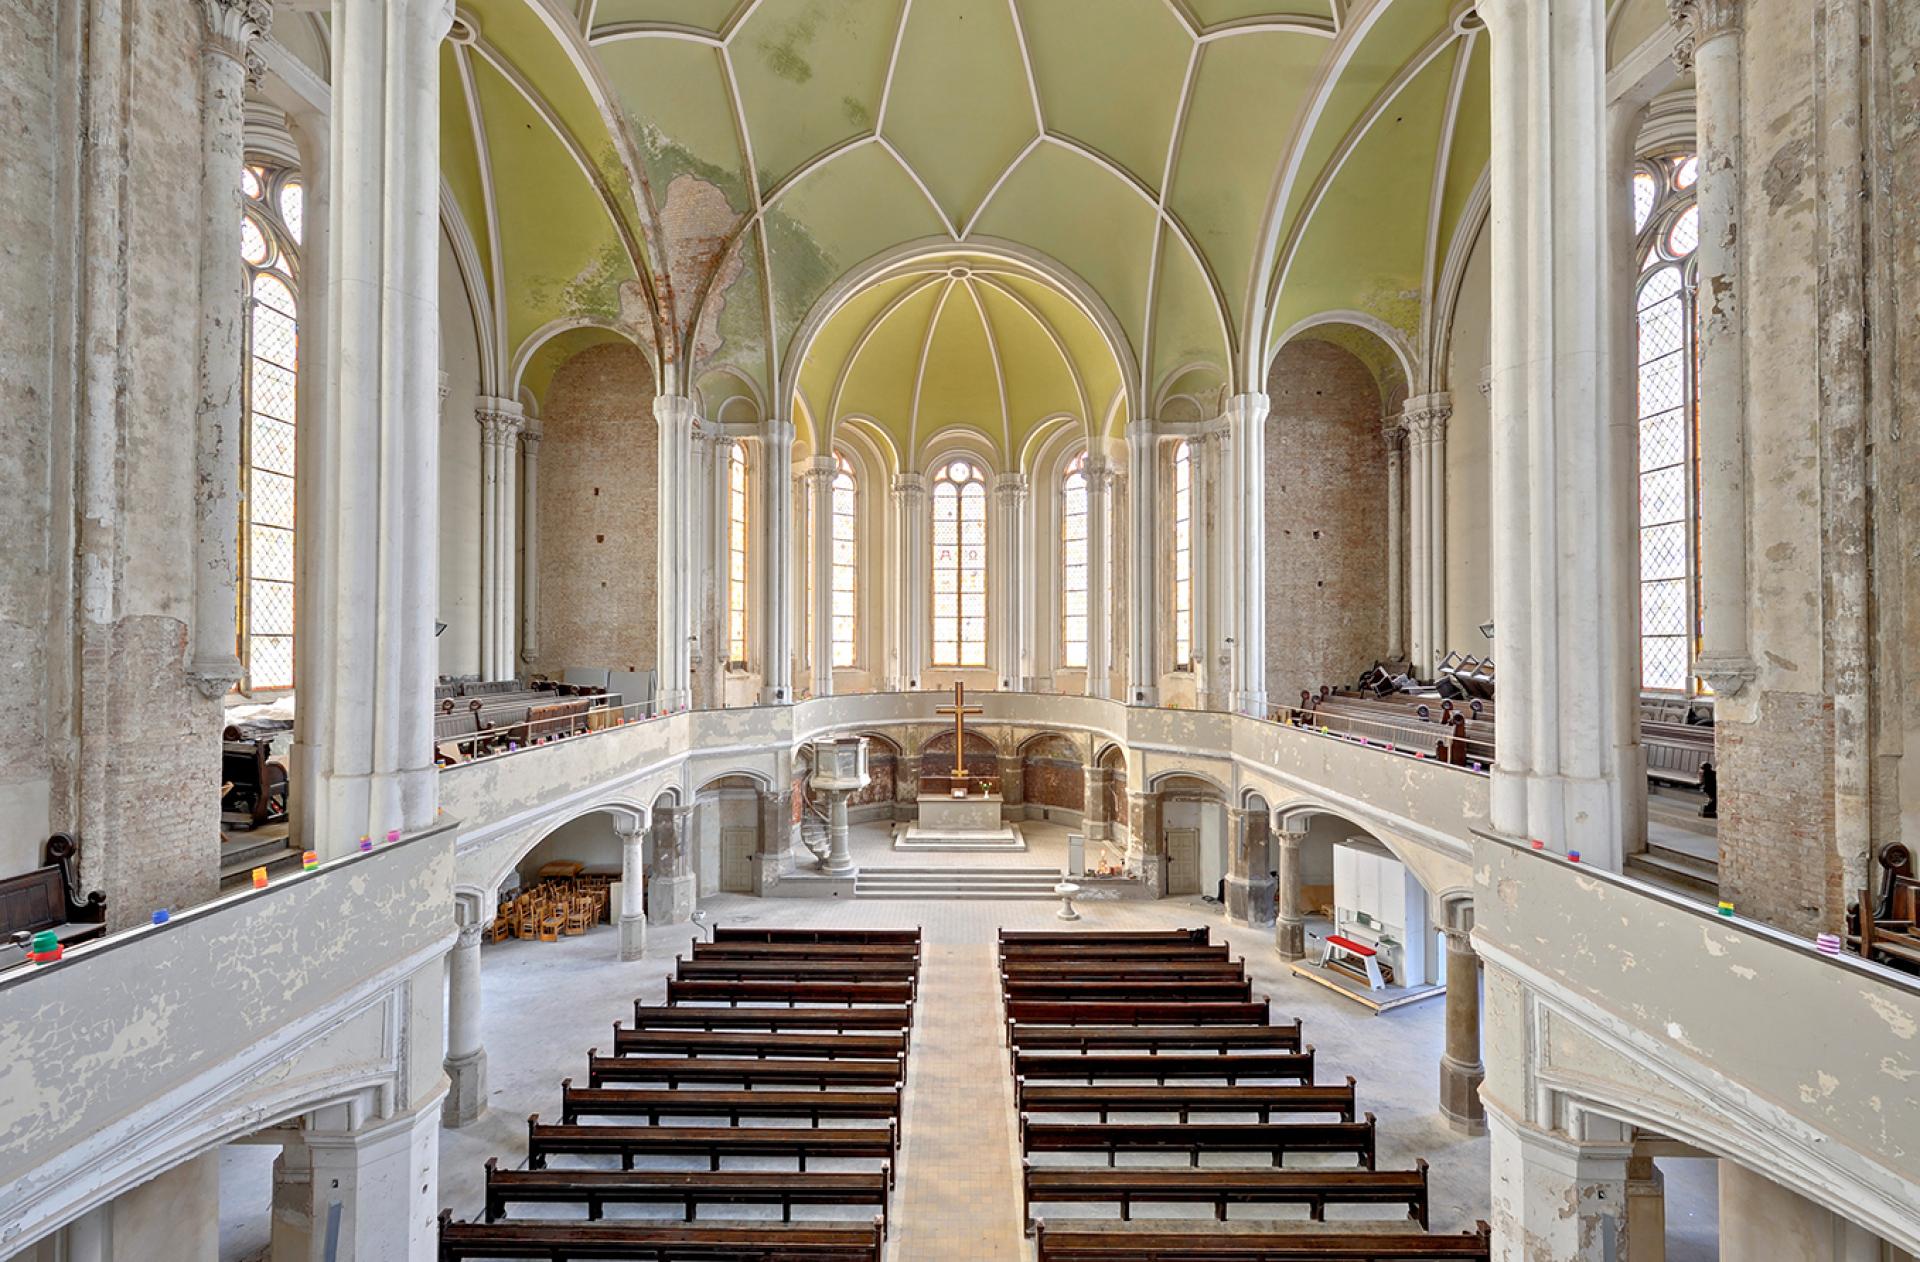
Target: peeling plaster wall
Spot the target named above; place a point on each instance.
(459, 644)
(1469, 507)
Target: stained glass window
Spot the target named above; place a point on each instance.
(1667, 221)
(270, 367)
(959, 565)
(845, 563)
(737, 556)
(1073, 564)
(1183, 556)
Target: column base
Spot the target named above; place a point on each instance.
(633, 937)
(1250, 900)
(670, 899)
(467, 1090)
(1460, 1096)
(840, 865)
(1143, 695)
(1290, 939)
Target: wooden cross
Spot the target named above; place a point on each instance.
(959, 710)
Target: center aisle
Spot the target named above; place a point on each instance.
(959, 1193)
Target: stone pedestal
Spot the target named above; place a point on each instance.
(839, 852)
(1558, 1197)
(1461, 1071)
(384, 1179)
(1251, 899)
(670, 899)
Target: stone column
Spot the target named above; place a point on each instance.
(1711, 46)
(818, 478)
(466, 1062)
(1555, 1196)
(1250, 888)
(839, 854)
(1100, 577)
(501, 421)
(776, 835)
(529, 544)
(910, 516)
(1394, 434)
(633, 886)
(673, 415)
(1146, 848)
(1247, 438)
(1143, 558)
(1646, 1212)
(673, 890)
(776, 553)
(1425, 421)
(1556, 514)
(1093, 815)
(1460, 1069)
(227, 60)
(384, 1178)
(317, 461)
(1012, 569)
(1013, 785)
(379, 494)
(1290, 915)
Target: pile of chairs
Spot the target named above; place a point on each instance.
(553, 908)
(1162, 1028)
(746, 1061)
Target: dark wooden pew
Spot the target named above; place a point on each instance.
(840, 1020)
(782, 1043)
(1194, 1138)
(1185, 1100)
(1107, 951)
(904, 973)
(1024, 989)
(869, 937)
(550, 1139)
(806, 951)
(656, 1103)
(47, 898)
(597, 1189)
(1220, 1188)
(1106, 1038)
(1292, 1066)
(797, 993)
(652, 1242)
(673, 1070)
(1123, 1012)
(1142, 970)
(1095, 1244)
(1125, 937)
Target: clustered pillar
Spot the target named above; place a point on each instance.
(818, 479)
(1247, 530)
(1094, 819)
(1143, 554)
(673, 414)
(1010, 494)
(1461, 1071)
(1425, 422)
(1393, 433)
(1099, 575)
(776, 558)
(1250, 884)
(910, 517)
(501, 423)
(530, 544)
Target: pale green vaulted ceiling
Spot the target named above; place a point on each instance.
(741, 186)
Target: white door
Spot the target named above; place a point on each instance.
(1183, 861)
(736, 859)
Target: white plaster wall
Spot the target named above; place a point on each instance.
(589, 840)
(459, 644)
(173, 1217)
(1469, 462)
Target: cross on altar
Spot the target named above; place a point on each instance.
(959, 710)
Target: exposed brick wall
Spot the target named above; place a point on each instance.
(1777, 860)
(1116, 789)
(936, 762)
(879, 779)
(1326, 520)
(599, 482)
(1055, 782)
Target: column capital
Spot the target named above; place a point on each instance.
(1699, 23)
(530, 434)
(818, 473)
(470, 936)
(723, 444)
(1100, 474)
(675, 409)
(627, 828)
(234, 28)
(1425, 416)
(1250, 408)
(1393, 432)
(1012, 484)
(1725, 673)
(909, 485)
(500, 420)
(776, 430)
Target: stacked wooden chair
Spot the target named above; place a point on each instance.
(1110, 1035)
(773, 1045)
(550, 909)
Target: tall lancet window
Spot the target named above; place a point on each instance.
(1666, 216)
(846, 563)
(1183, 555)
(737, 556)
(1073, 564)
(270, 226)
(959, 565)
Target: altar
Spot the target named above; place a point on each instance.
(975, 813)
(970, 821)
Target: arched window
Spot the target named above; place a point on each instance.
(270, 226)
(1073, 564)
(1183, 555)
(846, 557)
(959, 565)
(737, 556)
(1666, 218)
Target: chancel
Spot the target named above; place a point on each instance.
(1076, 630)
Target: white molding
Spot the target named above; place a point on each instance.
(1473, 220)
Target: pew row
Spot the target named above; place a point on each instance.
(1286, 1066)
(550, 1139)
(796, 993)
(838, 1020)
(1193, 1138)
(822, 1074)
(870, 937)
(1265, 1101)
(656, 1103)
(650, 1242)
(781, 1043)
(1122, 1012)
(690, 1189)
(1085, 1244)
(1315, 1189)
(1106, 1038)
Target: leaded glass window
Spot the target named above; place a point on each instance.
(1073, 564)
(1183, 556)
(737, 556)
(959, 565)
(845, 562)
(270, 223)
(1666, 216)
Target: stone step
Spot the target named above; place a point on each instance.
(952, 883)
(1682, 873)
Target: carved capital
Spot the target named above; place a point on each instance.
(500, 420)
(234, 26)
(1393, 432)
(471, 936)
(1011, 485)
(1682, 14)
(1425, 416)
(910, 488)
(215, 679)
(1726, 673)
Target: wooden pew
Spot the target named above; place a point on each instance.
(1315, 1189)
(550, 1139)
(1109, 1244)
(1265, 1101)
(1102, 951)
(899, 1017)
(823, 1074)
(651, 1242)
(1105, 937)
(1159, 1038)
(597, 1189)
(870, 937)
(656, 1103)
(45, 898)
(783, 1043)
(1144, 970)
(806, 951)
(1017, 990)
(1289, 1066)
(1094, 1012)
(726, 969)
(1194, 1138)
(729, 991)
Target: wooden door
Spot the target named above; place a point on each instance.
(736, 859)
(1183, 861)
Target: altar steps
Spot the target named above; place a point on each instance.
(969, 882)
